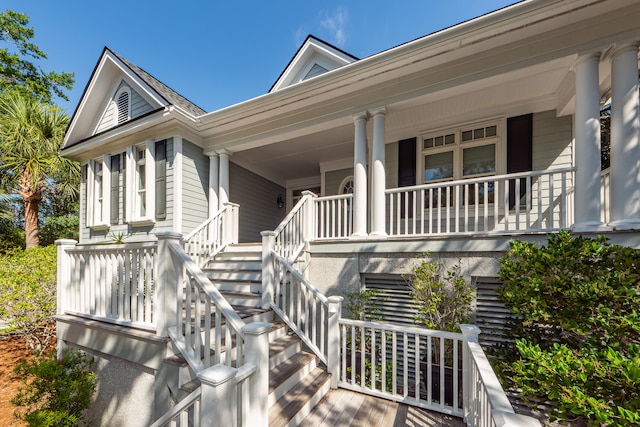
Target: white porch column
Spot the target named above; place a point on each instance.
(378, 178)
(625, 148)
(360, 176)
(223, 183)
(587, 134)
(214, 174)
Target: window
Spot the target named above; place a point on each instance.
(98, 186)
(467, 152)
(146, 200)
(346, 186)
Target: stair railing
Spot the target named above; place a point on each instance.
(229, 357)
(296, 229)
(213, 235)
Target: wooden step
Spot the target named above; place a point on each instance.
(286, 375)
(295, 405)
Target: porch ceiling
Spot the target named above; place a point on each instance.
(298, 154)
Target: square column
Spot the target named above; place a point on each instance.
(587, 131)
(625, 147)
(360, 176)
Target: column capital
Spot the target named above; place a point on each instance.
(223, 152)
(586, 57)
(380, 111)
(629, 47)
(364, 115)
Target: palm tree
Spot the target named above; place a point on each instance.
(31, 134)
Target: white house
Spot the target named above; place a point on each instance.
(453, 144)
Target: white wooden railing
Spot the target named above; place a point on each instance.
(605, 196)
(186, 413)
(334, 217)
(110, 283)
(295, 231)
(530, 201)
(213, 235)
(485, 403)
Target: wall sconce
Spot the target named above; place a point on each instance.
(280, 202)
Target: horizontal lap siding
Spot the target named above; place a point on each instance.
(195, 185)
(333, 179)
(257, 198)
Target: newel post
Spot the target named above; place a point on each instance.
(219, 398)
(230, 223)
(333, 339)
(168, 281)
(257, 353)
(310, 216)
(63, 279)
(268, 275)
(469, 334)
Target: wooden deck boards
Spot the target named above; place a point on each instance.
(347, 408)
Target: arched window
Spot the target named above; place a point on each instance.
(123, 105)
(346, 187)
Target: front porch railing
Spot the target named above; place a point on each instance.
(213, 235)
(334, 217)
(110, 283)
(530, 201)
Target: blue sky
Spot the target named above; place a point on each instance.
(218, 53)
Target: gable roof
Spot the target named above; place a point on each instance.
(110, 68)
(313, 58)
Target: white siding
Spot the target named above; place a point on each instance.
(552, 136)
(257, 198)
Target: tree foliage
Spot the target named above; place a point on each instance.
(28, 294)
(18, 71)
(575, 322)
(31, 134)
(55, 393)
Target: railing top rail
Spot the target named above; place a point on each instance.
(336, 197)
(204, 224)
(292, 213)
(402, 328)
(108, 247)
(192, 268)
(301, 278)
(479, 180)
(180, 406)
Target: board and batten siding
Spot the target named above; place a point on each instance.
(195, 187)
(257, 198)
(139, 106)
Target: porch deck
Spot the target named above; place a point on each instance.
(342, 407)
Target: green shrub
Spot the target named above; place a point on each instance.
(443, 298)
(362, 305)
(575, 322)
(55, 392)
(59, 227)
(28, 294)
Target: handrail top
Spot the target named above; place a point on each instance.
(335, 197)
(299, 276)
(292, 213)
(232, 317)
(111, 247)
(483, 179)
(402, 328)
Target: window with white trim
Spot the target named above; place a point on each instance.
(466, 152)
(141, 197)
(98, 187)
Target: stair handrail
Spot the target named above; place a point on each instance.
(223, 310)
(213, 235)
(185, 405)
(296, 229)
(315, 300)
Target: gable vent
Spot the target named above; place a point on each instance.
(123, 107)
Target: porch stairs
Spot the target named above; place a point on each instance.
(297, 378)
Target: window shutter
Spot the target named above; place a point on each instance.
(114, 204)
(406, 171)
(519, 152)
(161, 179)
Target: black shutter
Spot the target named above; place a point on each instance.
(115, 189)
(406, 169)
(519, 151)
(161, 179)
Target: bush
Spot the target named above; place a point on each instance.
(55, 392)
(59, 227)
(443, 298)
(576, 327)
(28, 294)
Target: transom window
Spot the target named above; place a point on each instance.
(466, 152)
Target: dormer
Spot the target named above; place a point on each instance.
(315, 57)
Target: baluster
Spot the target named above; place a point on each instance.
(394, 356)
(414, 202)
(207, 332)
(416, 362)
(354, 349)
(373, 358)
(528, 202)
(343, 353)
(552, 204)
(456, 343)
(363, 356)
(442, 369)
(516, 199)
(383, 347)
(563, 201)
(218, 337)
(405, 360)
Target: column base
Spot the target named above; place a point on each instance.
(590, 226)
(378, 235)
(358, 236)
(625, 224)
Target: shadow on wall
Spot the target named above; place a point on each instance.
(124, 394)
